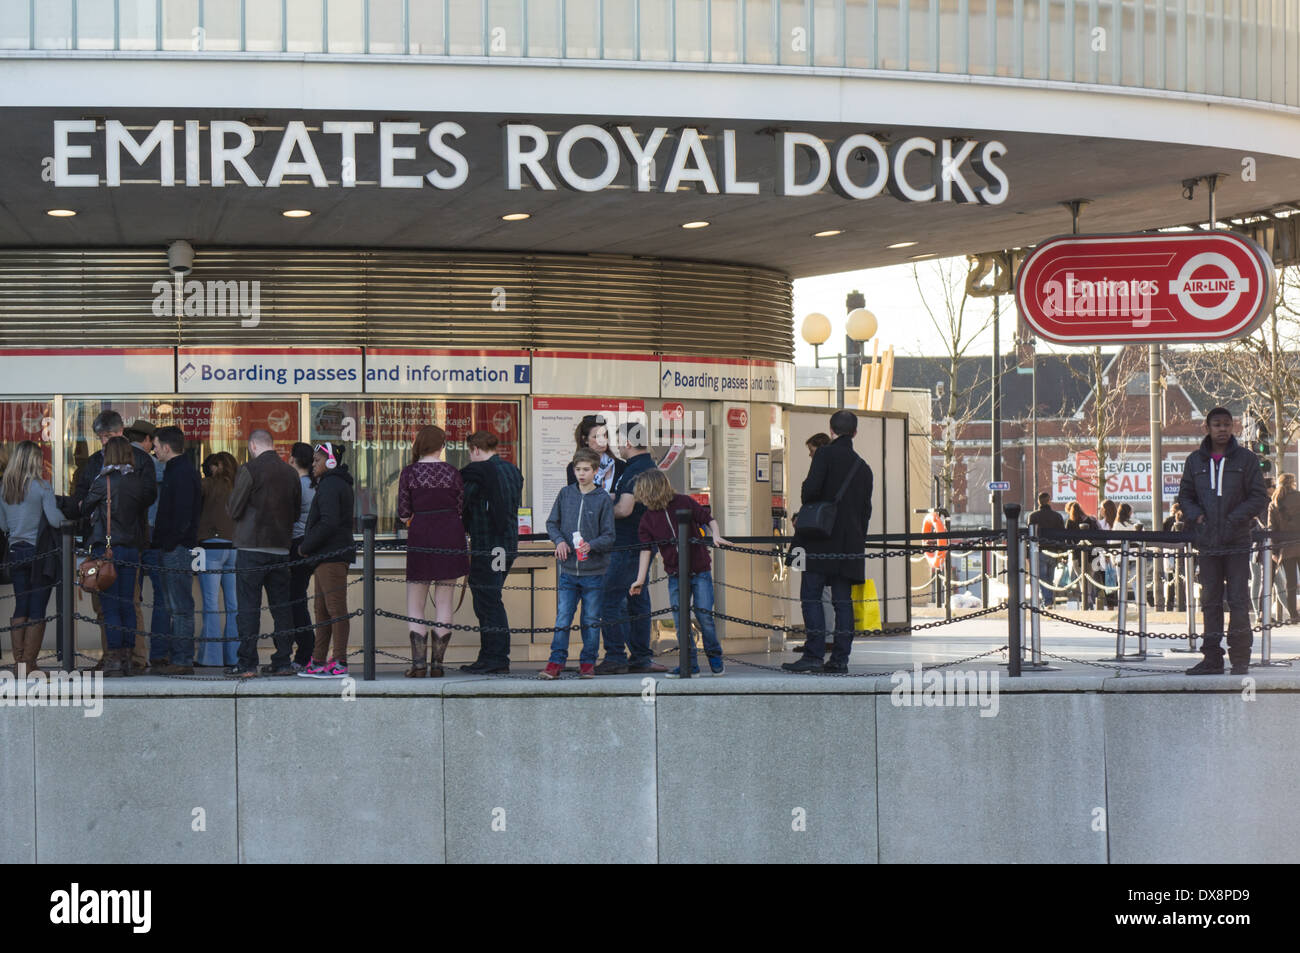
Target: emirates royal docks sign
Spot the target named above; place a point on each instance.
(1120, 289)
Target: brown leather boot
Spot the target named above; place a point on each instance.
(113, 662)
(419, 654)
(35, 636)
(439, 650)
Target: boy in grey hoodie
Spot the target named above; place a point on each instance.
(581, 525)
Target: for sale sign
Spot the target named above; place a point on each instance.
(1118, 289)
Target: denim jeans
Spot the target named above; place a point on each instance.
(258, 571)
(702, 607)
(210, 650)
(1046, 577)
(814, 618)
(160, 621)
(29, 602)
(494, 626)
(569, 590)
(625, 640)
(299, 578)
(118, 600)
(178, 588)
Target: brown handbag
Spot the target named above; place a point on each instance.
(98, 575)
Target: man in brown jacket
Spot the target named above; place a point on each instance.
(264, 505)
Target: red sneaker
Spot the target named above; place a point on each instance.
(552, 671)
(587, 670)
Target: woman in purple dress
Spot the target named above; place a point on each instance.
(430, 495)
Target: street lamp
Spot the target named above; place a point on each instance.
(860, 325)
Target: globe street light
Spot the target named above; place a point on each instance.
(860, 325)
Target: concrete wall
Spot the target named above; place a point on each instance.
(742, 770)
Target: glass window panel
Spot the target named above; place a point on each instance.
(656, 37)
(180, 24)
(54, 25)
(1085, 59)
(1293, 53)
(952, 33)
(1194, 45)
(1277, 53)
(385, 429)
(1174, 49)
(828, 38)
(726, 37)
(759, 26)
(620, 29)
(505, 28)
(27, 420)
(465, 27)
(888, 16)
(210, 426)
(345, 21)
(1231, 48)
(94, 24)
(918, 35)
(263, 27)
(543, 27)
(427, 28)
(978, 57)
(1133, 26)
(1031, 35)
(858, 30)
(1213, 48)
(1060, 43)
(304, 25)
(15, 24)
(581, 32)
(386, 27)
(221, 24)
(795, 42)
(692, 31)
(1007, 39)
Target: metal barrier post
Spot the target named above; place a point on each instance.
(1142, 600)
(1189, 579)
(1036, 603)
(368, 523)
(986, 560)
(1015, 588)
(67, 599)
(1266, 620)
(684, 592)
(1122, 601)
(1158, 574)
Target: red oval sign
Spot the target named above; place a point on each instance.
(1116, 289)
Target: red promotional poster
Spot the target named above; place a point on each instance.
(1174, 287)
(27, 420)
(1085, 480)
(393, 424)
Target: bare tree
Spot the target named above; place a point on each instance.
(948, 306)
(1260, 372)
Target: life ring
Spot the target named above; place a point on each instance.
(937, 556)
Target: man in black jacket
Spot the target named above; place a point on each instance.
(175, 534)
(493, 492)
(264, 504)
(835, 467)
(1046, 518)
(1221, 493)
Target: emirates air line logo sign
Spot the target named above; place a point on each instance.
(1116, 289)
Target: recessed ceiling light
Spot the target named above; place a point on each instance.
(295, 213)
(516, 216)
(902, 245)
(829, 233)
(695, 225)
(61, 212)
(928, 254)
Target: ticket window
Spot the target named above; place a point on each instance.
(210, 425)
(27, 420)
(378, 434)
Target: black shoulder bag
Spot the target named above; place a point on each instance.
(817, 520)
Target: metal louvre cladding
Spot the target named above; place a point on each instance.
(127, 297)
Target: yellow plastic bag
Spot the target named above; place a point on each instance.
(866, 606)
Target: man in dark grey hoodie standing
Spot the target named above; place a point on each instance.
(1221, 493)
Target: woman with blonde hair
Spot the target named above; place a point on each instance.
(1284, 519)
(27, 509)
(430, 501)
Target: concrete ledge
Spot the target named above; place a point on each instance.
(151, 780)
(550, 780)
(17, 786)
